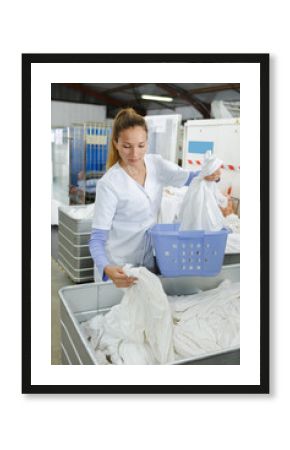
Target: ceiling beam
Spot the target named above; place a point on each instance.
(137, 98)
(123, 87)
(216, 88)
(176, 91)
(164, 105)
(86, 90)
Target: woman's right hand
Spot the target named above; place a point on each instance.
(118, 276)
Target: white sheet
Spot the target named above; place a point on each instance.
(176, 327)
(208, 321)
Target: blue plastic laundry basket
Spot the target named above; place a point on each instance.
(188, 253)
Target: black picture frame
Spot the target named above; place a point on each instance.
(263, 61)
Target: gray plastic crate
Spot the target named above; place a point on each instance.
(80, 303)
(64, 356)
(76, 225)
(76, 250)
(76, 275)
(74, 238)
(75, 262)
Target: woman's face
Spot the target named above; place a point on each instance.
(132, 145)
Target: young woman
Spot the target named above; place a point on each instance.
(128, 199)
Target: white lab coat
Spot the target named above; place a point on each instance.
(128, 210)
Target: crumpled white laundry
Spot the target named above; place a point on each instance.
(200, 208)
(210, 321)
(139, 329)
(183, 327)
(233, 243)
(83, 212)
(232, 221)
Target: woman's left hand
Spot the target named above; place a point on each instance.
(118, 276)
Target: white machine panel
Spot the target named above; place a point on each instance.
(222, 137)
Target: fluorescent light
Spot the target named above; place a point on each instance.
(156, 97)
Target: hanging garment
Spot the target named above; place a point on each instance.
(200, 208)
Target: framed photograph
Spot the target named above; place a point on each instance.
(235, 359)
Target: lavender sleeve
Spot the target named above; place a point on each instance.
(191, 176)
(97, 249)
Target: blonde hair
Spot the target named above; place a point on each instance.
(126, 118)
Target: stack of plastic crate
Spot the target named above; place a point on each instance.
(73, 249)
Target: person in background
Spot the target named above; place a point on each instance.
(128, 199)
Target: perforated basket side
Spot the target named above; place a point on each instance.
(190, 253)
